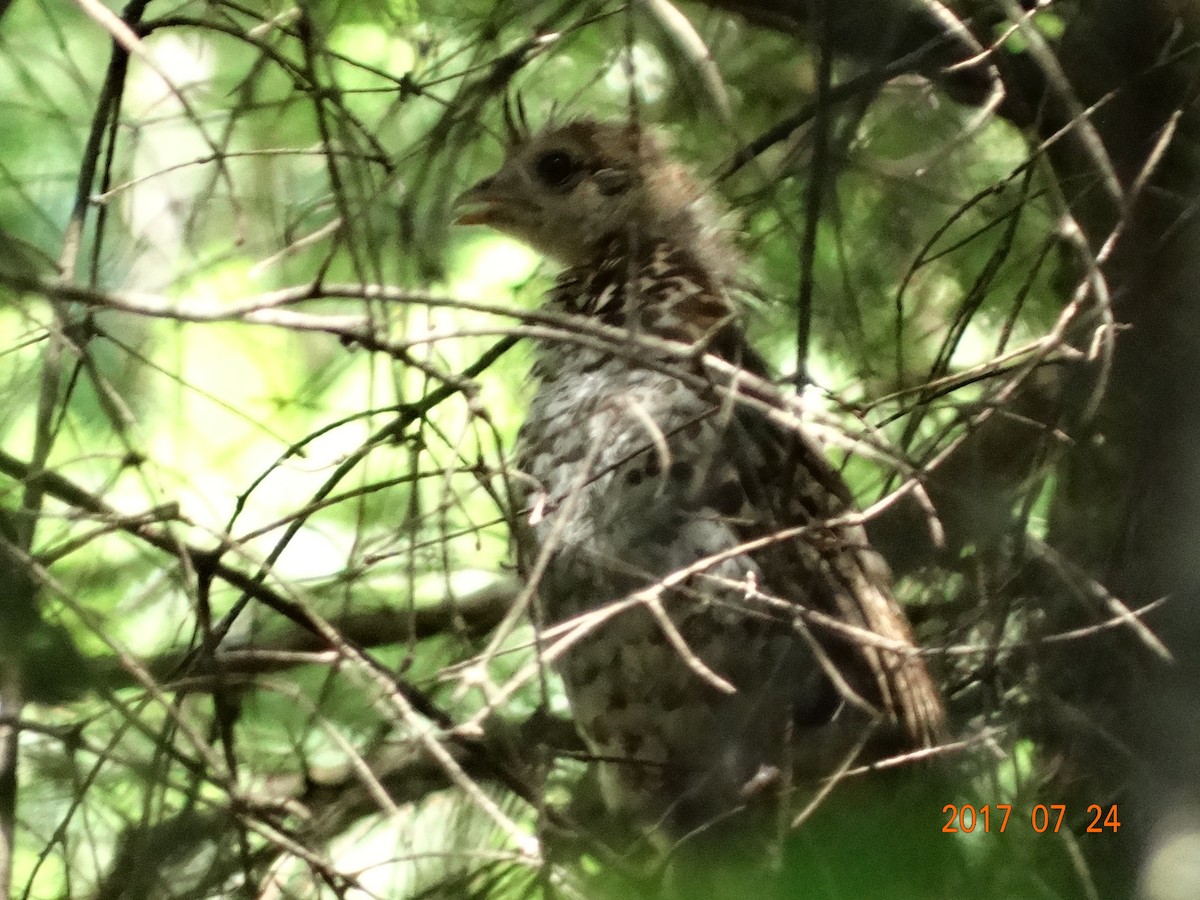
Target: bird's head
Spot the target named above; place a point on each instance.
(572, 189)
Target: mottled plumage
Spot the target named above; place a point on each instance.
(695, 696)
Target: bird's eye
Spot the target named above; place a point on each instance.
(556, 169)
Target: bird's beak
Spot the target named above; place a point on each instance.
(477, 204)
(480, 204)
(473, 217)
(501, 201)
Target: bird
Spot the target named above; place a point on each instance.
(722, 606)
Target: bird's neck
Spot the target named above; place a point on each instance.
(652, 286)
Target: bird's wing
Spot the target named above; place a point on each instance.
(771, 481)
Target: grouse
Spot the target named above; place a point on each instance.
(749, 617)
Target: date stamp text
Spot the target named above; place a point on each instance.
(1043, 818)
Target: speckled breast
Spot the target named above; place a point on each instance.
(685, 694)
